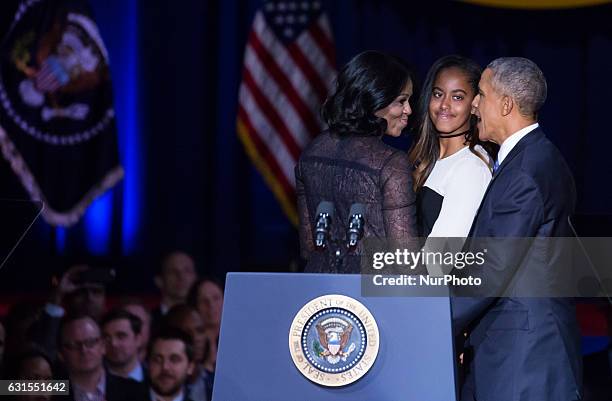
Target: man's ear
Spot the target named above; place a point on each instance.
(507, 105)
(190, 368)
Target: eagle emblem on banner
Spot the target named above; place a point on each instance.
(57, 119)
(334, 336)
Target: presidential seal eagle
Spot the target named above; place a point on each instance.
(334, 335)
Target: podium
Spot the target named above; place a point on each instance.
(254, 362)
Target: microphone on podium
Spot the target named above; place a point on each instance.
(356, 223)
(325, 212)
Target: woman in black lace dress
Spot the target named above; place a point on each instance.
(349, 163)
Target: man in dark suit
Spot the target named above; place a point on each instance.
(122, 335)
(521, 347)
(81, 351)
(176, 275)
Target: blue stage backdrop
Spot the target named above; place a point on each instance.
(176, 68)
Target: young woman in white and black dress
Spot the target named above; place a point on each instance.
(452, 167)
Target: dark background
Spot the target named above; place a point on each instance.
(176, 70)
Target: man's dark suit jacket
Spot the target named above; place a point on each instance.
(185, 398)
(185, 395)
(118, 389)
(522, 348)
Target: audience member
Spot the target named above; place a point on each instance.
(32, 364)
(80, 291)
(207, 297)
(18, 325)
(81, 351)
(137, 308)
(186, 318)
(170, 361)
(176, 276)
(121, 332)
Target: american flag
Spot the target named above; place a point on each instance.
(289, 68)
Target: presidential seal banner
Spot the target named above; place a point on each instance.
(57, 122)
(334, 340)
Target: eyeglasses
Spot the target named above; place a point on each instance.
(88, 343)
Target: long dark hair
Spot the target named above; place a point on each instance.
(366, 84)
(425, 150)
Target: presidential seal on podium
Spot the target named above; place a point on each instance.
(334, 340)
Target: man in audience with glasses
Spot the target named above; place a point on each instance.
(81, 351)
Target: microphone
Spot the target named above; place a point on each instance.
(356, 223)
(325, 212)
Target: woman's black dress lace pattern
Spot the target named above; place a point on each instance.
(347, 170)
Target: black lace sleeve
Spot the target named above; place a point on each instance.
(399, 200)
(305, 228)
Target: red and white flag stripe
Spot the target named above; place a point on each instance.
(283, 87)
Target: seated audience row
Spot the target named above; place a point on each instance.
(128, 352)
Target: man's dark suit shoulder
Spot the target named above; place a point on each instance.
(185, 398)
(540, 156)
(122, 389)
(117, 389)
(535, 160)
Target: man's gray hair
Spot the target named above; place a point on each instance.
(522, 80)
